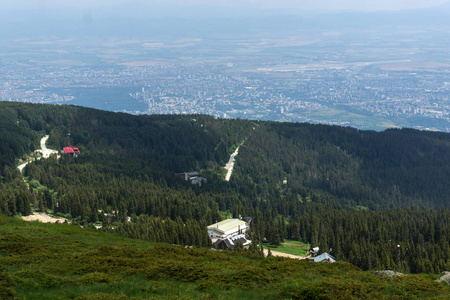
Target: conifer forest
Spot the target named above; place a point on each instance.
(377, 200)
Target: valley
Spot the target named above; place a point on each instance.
(373, 200)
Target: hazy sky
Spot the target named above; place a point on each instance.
(364, 5)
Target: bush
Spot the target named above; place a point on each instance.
(6, 292)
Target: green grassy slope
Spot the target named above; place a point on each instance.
(58, 261)
(290, 247)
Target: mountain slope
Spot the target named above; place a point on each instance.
(297, 181)
(59, 261)
(391, 169)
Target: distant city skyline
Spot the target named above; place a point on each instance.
(361, 5)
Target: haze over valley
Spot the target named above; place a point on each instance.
(370, 70)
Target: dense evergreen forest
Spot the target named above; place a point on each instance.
(358, 193)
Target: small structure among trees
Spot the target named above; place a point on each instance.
(229, 234)
(227, 228)
(232, 242)
(71, 150)
(193, 177)
(324, 257)
(314, 251)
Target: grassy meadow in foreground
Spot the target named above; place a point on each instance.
(59, 261)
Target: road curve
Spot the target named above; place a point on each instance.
(44, 150)
(20, 167)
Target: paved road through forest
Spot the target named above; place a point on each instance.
(44, 150)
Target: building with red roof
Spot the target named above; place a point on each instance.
(71, 150)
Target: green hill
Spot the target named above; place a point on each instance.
(59, 261)
(360, 193)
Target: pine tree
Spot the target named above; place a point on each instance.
(41, 203)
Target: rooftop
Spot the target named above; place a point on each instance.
(226, 225)
(324, 256)
(71, 150)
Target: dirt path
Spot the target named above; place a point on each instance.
(281, 254)
(230, 165)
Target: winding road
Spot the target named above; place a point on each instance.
(44, 150)
(20, 167)
(42, 217)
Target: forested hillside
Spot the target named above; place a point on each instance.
(360, 193)
(397, 168)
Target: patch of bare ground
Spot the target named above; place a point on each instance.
(281, 254)
(44, 218)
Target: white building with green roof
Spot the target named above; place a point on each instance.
(227, 228)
